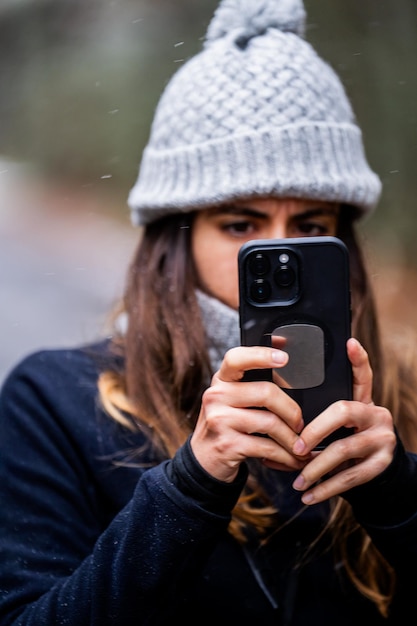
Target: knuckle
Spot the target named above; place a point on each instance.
(211, 396)
(297, 414)
(385, 416)
(343, 448)
(231, 358)
(381, 463)
(265, 392)
(269, 421)
(344, 409)
(390, 438)
(231, 362)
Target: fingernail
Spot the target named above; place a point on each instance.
(279, 357)
(299, 446)
(299, 483)
(307, 498)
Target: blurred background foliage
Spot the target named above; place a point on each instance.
(80, 80)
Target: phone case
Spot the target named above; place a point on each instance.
(295, 295)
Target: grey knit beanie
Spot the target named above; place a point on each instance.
(256, 113)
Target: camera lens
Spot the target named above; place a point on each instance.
(260, 290)
(284, 276)
(259, 264)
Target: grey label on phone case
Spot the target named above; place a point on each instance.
(304, 344)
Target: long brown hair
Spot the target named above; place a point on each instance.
(167, 369)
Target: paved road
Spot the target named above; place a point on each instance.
(62, 266)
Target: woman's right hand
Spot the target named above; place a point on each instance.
(227, 431)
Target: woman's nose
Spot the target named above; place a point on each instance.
(278, 231)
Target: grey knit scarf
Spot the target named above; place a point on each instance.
(220, 322)
(222, 327)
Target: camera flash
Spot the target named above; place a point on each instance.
(284, 258)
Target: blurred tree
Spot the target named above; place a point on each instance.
(373, 45)
(80, 80)
(83, 78)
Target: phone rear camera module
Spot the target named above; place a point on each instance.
(259, 264)
(260, 290)
(284, 276)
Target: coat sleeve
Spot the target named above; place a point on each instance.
(59, 563)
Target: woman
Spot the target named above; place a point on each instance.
(133, 490)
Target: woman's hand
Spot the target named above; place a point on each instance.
(356, 459)
(227, 431)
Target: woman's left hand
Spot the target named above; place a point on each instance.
(357, 458)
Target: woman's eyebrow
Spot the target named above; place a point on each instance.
(237, 210)
(317, 212)
(251, 212)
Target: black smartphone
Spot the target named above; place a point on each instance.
(295, 295)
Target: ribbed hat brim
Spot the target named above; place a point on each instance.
(313, 161)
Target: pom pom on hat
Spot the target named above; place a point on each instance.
(257, 113)
(253, 17)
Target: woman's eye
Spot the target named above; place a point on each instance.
(312, 229)
(239, 228)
